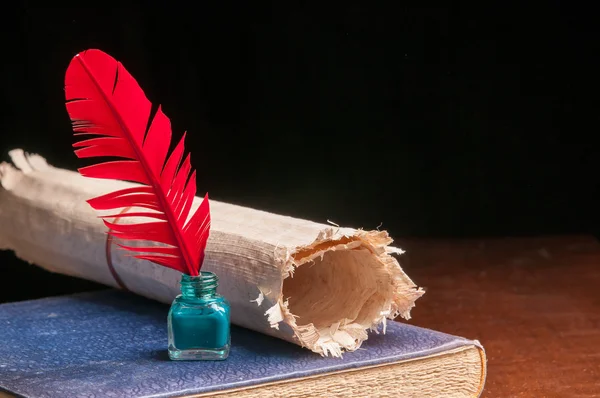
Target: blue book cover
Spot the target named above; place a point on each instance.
(114, 344)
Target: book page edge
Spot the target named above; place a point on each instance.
(260, 387)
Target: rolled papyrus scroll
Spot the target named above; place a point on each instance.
(315, 285)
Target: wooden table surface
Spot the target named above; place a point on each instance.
(534, 304)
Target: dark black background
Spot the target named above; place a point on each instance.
(460, 121)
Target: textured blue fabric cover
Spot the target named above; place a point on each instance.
(113, 344)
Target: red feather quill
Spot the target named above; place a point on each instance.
(105, 101)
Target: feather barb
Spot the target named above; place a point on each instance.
(105, 101)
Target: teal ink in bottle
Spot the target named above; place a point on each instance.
(199, 320)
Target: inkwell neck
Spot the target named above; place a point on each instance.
(201, 286)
